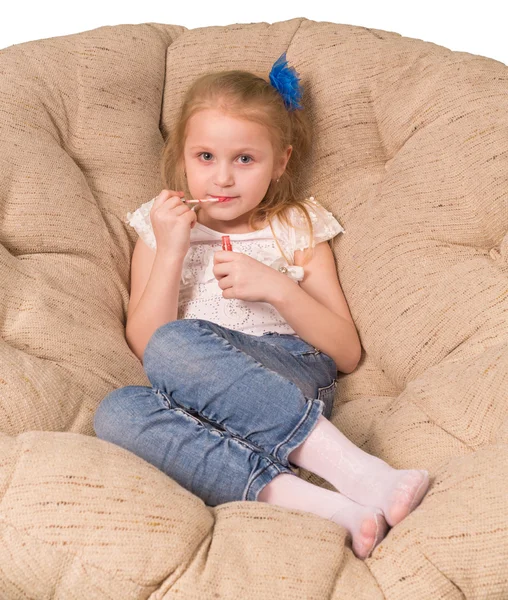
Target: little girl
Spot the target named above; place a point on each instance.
(242, 346)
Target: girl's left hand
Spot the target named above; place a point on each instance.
(245, 278)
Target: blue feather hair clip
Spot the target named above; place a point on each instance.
(285, 80)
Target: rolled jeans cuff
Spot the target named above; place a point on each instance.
(281, 452)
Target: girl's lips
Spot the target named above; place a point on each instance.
(225, 198)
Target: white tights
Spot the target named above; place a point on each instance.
(371, 495)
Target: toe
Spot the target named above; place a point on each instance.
(407, 495)
(382, 528)
(372, 531)
(421, 490)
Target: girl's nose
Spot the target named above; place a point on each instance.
(223, 176)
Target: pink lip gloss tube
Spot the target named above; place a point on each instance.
(226, 243)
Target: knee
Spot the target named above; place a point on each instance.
(174, 339)
(111, 414)
(180, 328)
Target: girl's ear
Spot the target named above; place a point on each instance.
(285, 159)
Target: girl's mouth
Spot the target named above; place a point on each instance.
(225, 198)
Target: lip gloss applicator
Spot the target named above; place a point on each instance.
(194, 201)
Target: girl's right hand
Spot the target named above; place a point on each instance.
(172, 221)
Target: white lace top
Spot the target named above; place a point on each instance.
(200, 296)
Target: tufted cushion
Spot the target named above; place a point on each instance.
(410, 150)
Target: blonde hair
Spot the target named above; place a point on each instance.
(244, 95)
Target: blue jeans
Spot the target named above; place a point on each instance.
(225, 408)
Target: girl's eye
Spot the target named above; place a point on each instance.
(203, 154)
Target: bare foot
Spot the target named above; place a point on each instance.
(407, 493)
(367, 526)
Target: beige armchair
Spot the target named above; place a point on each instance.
(410, 154)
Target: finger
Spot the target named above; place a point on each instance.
(229, 294)
(166, 195)
(177, 209)
(174, 201)
(172, 205)
(224, 256)
(220, 270)
(225, 282)
(192, 219)
(158, 200)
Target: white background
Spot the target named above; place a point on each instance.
(474, 27)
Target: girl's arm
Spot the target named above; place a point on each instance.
(317, 309)
(153, 300)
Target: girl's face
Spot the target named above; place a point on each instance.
(226, 156)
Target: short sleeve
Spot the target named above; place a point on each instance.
(140, 221)
(325, 227)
